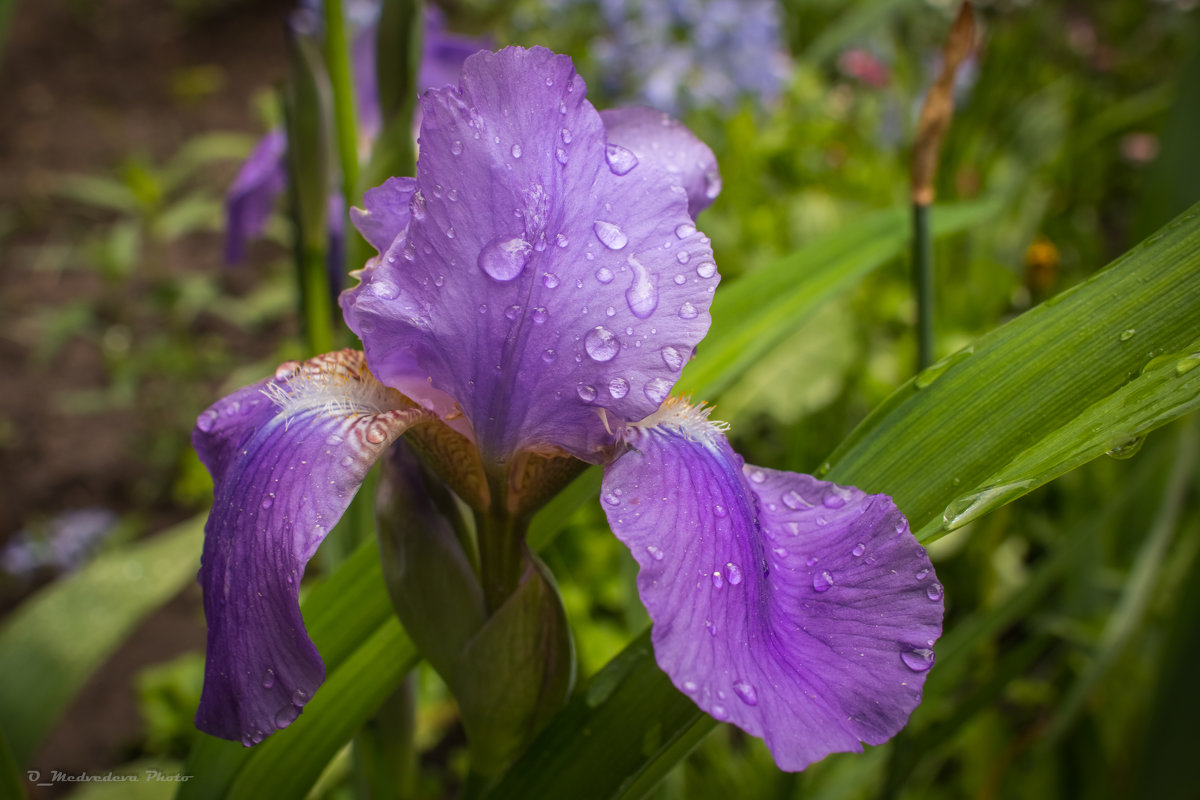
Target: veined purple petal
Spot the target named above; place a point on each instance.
(386, 213)
(801, 611)
(252, 195)
(537, 286)
(666, 151)
(286, 455)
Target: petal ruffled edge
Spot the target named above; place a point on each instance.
(666, 147)
(286, 455)
(801, 611)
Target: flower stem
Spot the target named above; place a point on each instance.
(341, 78)
(922, 284)
(501, 539)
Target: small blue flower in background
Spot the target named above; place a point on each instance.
(680, 54)
(539, 287)
(63, 543)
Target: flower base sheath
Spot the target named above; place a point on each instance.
(539, 287)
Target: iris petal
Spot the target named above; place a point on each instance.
(286, 456)
(386, 213)
(252, 195)
(801, 611)
(666, 151)
(536, 283)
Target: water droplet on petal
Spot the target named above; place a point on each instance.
(654, 552)
(794, 500)
(835, 497)
(385, 290)
(746, 693)
(299, 698)
(690, 687)
(549, 280)
(612, 499)
(618, 388)
(717, 580)
(267, 503)
(672, 358)
(719, 713)
(586, 393)
(934, 591)
(687, 311)
(657, 390)
(566, 135)
(610, 235)
(620, 159)
(922, 575)
(822, 581)
(549, 355)
(706, 270)
(512, 312)
(859, 550)
(641, 295)
(918, 660)
(757, 475)
(207, 420)
(269, 679)
(456, 148)
(685, 230)
(516, 151)
(504, 257)
(680, 280)
(682, 257)
(539, 315)
(416, 206)
(601, 344)
(604, 275)
(712, 184)
(720, 511)
(286, 716)
(734, 573)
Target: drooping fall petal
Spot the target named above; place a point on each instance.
(286, 455)
(801, 611)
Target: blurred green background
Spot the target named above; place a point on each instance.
(1071, 614)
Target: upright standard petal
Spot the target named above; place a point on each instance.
(541, 282)
(666, 149)
(286, 456)
(801, 611)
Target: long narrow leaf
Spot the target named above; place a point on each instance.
(54, 642)
(753, 315)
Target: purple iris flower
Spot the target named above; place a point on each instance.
(540, 285)
(263, 176)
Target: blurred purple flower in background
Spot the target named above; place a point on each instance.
(540, 285)
(263, 176)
